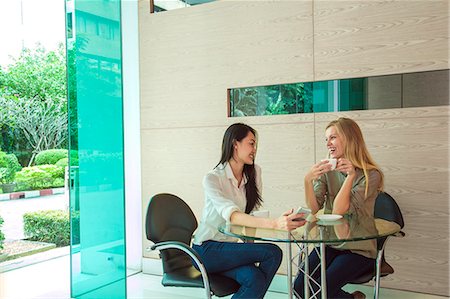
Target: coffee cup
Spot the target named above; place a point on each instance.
(261, 213)
(332, 162)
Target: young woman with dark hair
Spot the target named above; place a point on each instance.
(232, 192)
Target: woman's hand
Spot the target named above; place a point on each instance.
(317, 170)
(287, 220)
(345, 166)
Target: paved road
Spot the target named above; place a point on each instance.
(12, 212)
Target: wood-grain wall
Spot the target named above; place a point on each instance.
(369, 38)
(189, 57)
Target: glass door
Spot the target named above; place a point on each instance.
(97, 202)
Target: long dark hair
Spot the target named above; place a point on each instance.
(237, 132)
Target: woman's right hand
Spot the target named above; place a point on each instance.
(317, 170)
(287, 220)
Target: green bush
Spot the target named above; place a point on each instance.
(13, 162)
(40, 177)
(53, 170)
(63, 163)
(50, 156)
(2, 236)
(48, 226)
(9, 165)
(58, 182)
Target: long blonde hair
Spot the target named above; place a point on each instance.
(355, 149)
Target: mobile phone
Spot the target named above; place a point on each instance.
(303, 210)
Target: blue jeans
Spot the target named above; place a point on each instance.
(343, 266)
(237, 261)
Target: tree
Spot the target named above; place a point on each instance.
(33, 104)
(42, 122)
(36, 74)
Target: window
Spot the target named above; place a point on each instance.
(164, 5)
(381, 92)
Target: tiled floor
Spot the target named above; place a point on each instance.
(50, 280)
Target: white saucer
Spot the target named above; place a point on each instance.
(328, 217)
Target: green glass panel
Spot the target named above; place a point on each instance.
(380, 92)
(352, 94)
(98, 268)
(271, 100)
(323, 96)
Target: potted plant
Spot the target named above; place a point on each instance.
(9, 165)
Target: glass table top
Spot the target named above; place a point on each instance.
(348, 228)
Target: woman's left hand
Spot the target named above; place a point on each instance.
(289, 220)
(345, 166)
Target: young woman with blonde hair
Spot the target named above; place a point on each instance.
(351, 188)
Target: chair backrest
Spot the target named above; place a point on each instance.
(169, 218)
(386, 208)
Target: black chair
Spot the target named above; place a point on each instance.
(385, 208)
(170, 224)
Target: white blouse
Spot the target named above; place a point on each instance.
(223, 196)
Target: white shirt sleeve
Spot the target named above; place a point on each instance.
(223, 205)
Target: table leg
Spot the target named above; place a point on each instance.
(306, 273)
(289, 270)
(323, 271)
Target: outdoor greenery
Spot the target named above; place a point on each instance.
(50, 156)
(271, 100)
(33, 104)
(34, 135)
(36, 73)
(2, 236)
(33, 120)
(62, 162)
(9, 165)
(52, 226)
(40, 177)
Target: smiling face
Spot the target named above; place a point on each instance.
(245, 150)
(335, 143)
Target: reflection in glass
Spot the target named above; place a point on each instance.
(382, 92)
(274, 99)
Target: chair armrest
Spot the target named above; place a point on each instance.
(400, 234)
(178, 245)
(189, 251)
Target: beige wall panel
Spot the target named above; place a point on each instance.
(431, 88)
(285, 151)
(412, 148)
(189, 57)
(367, 38)
(175, 161)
